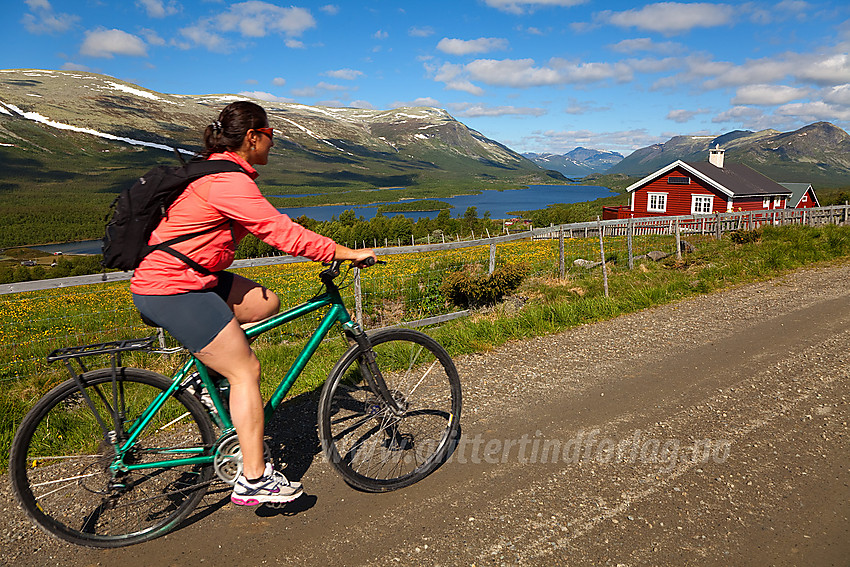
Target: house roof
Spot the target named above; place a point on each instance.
(797, 192)
(733, 179)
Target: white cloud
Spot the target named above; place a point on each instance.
(464, 86)
(330, 87)
(826, 70)
(108, 43)
(577, 107)
(69, 66)
(278, 81)
(523, 73)
(262, 95)
(768, 95)
(474, 110)
(198, 35)
(330, 9)
(416, 31)
(344, 74)
(251, 19)
(822, 69)
(466, 47)
(681, 116)
(523, 6)
(814, 111)
(838, 95)
(671, 18)
(44, 20)
(151, 37)
(157, 8)
(258, 19)
(380, 34)
(422, 101)
(624, 141)
(304, 92)
(739, 114)
(646, 44)
(513, 72)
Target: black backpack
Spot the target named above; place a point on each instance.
(136, 212)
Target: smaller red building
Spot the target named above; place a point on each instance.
(702, 188)
(802, 196)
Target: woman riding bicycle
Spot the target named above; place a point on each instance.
(204, 311)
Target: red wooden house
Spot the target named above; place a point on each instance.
(704, 187)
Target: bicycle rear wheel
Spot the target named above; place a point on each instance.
(61, 456)
(373, 448)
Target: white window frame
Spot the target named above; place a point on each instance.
(661, 202)
(765, 204)
(702, 199)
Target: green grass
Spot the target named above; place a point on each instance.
(552, 306)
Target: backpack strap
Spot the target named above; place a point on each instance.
(167, 247)
(195, 171)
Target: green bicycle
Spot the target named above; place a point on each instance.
(119, 455)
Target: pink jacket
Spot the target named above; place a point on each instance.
(206, 203)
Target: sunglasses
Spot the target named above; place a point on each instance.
(267, 131)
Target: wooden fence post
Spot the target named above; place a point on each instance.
(602, 252)
(678, 241)
(718, 231)
(492, 258)
(630, 229)
(358, 298)
(561, 260)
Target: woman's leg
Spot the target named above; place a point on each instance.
(230, 355)
(250, 301)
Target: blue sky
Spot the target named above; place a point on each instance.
(536, 75)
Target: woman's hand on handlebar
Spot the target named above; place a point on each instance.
(361, 258)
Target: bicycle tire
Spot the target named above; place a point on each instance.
(59, 461)
(373, 449)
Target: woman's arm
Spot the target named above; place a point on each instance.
(359, 257)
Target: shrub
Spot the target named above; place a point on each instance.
(466, 289)
(745, 236)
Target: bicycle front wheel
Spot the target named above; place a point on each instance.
(62, 459)
(374, 448)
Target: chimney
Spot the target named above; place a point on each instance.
(715, 156)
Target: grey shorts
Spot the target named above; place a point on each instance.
(194, 318)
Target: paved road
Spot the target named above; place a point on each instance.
(707, 432)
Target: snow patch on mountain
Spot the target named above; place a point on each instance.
(36, 117)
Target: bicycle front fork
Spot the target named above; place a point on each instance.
(369, 367)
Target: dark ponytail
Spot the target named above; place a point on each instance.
(234, 121)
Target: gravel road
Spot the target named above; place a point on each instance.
(712, 431)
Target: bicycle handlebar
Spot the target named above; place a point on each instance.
(332, 271)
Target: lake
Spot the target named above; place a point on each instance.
(499, 203)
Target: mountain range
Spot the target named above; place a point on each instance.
(84, 123)
(818, 153)
(577, 163)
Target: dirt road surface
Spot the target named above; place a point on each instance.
(712, 431)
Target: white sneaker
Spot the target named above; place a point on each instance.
(272, 488)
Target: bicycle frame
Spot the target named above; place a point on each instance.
(337, 313)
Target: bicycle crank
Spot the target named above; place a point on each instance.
(227, 462)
